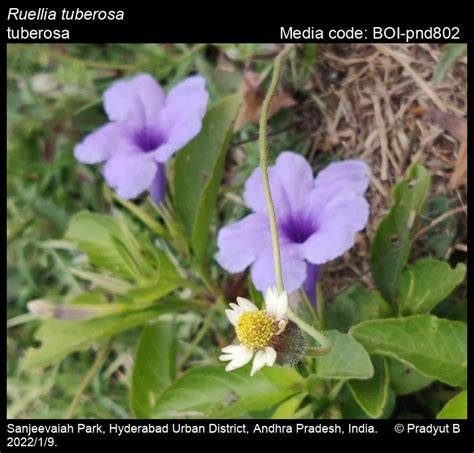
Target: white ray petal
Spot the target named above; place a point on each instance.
(282, 306)
(231, 349)
(271, 302)
(263, 357)
(246, 305)
(233, 316)
(237, 356)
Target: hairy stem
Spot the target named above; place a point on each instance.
(324, 343)
(264, 165)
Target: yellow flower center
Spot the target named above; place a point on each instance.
(255, 329)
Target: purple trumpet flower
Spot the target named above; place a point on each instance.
(317, 221)
(146, 128)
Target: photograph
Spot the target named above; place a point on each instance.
(225, 231)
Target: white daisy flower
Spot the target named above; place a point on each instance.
(256, 331)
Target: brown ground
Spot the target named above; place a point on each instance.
(377, 103)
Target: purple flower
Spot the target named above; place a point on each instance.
(317, 221)
(146, 128)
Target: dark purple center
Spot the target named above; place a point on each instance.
(298, 228)
(148, 139)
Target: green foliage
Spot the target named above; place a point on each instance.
(347, 359)
(351, 409)
(441, 236)
(404, 379)
(435, 347)
(427, 283)
(60, 338)
(198, 171)
(354, 305)
(452, 53)
(455, 408)
(289, 408)
(155, 366)
(109, 244)
(372, 394)
(233, 394)
(391, 245)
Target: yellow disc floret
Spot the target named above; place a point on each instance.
(255, 329)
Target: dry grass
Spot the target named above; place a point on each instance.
(373, 102)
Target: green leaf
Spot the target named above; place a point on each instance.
(210, 391)
(106, 282)
(371, 394)
(107, 243)
(166, 280)
(427, 283)
(154, 368)
(435, 347)
(405, 379)
(347, 359)
(441, 236)
(60, 338)
(354, 305)
(351, 409)
(455, 408)
(452, 53)
(391, 245)
(147, 294)
(198, 170)
(289, 408)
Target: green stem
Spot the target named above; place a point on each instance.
(200, 335)
(101, 356)
(21, 319)
(264, 165)
(325, 344)
(336, 389)
(309, 307)
(141, 215)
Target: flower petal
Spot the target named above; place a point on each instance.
(241, 242)
(157, 188)
(282, 306)
(263, 357)
(246, 305)
(342, 218)
(293, 265)
(349, 175)
(291, 180)
(340, 178)
(232, 348)
(130, 173)
(276, 305)
(233, 316)
(271, 299)
(312, 274)
(138, 100)
(350, 210)
(181, 117)
(103, 143)
(236, 355)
